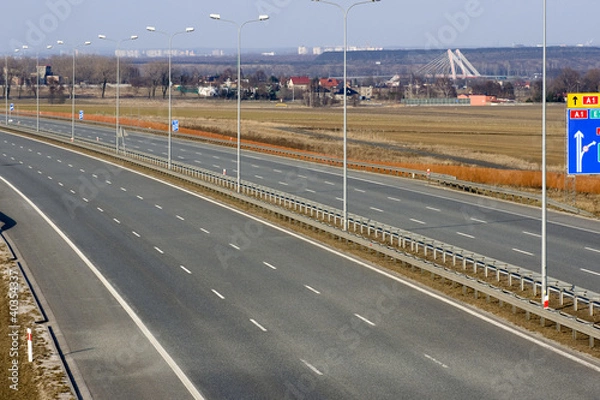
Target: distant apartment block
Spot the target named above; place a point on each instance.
(303, 50)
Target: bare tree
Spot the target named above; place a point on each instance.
(567, 81)
(591, 81)
(157, 74)
(105, 70)
(445, 87)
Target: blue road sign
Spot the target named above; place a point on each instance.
(583, 135)
(81, 115)
(175, 125)
(12, 107)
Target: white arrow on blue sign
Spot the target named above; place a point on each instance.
(175, 125)
(81, 114)
(583, 134)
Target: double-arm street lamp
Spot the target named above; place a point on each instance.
(60, 42)
(37, 84)
(170, 36)
(345, 11)
(6, 84)
(37, 87)
(239, 84)
(118, 54)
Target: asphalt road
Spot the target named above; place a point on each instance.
(247, 310)
(507, 232)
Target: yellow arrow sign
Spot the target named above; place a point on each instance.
(583, 100)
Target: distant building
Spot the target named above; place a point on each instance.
(298, 83)
(127, 53)
(302, 50)
(478, 100)
(328, 83)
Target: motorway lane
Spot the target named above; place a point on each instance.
(508, 233)
(106, 352)
(274, 313)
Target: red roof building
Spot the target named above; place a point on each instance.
(298, 82)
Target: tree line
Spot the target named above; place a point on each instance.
(151, 80)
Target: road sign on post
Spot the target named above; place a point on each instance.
(81, 115)
(175, 125)
(583, 133)
(12, 106)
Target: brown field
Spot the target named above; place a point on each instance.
(500, 145)
(43, 378)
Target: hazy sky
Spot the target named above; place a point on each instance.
(389, 23)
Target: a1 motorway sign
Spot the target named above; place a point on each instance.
(583, 133)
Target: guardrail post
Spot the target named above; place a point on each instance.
(475, 265)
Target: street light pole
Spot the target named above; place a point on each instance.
(545, 297)
(37, 87)
(117, 52)
(239, 88)
(6, 87)
(87, 43)
(26, 48)
(345, 12)
(187, 30)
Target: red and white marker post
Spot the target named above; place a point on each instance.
(29, 346)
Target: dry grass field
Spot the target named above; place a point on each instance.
(499, 144)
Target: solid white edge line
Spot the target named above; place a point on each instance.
(135, 318)
(406, 283)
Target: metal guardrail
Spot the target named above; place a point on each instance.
(441, 179)
(388, 240)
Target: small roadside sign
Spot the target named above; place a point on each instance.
(175, 125)
(12, 106)
(81, 115)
